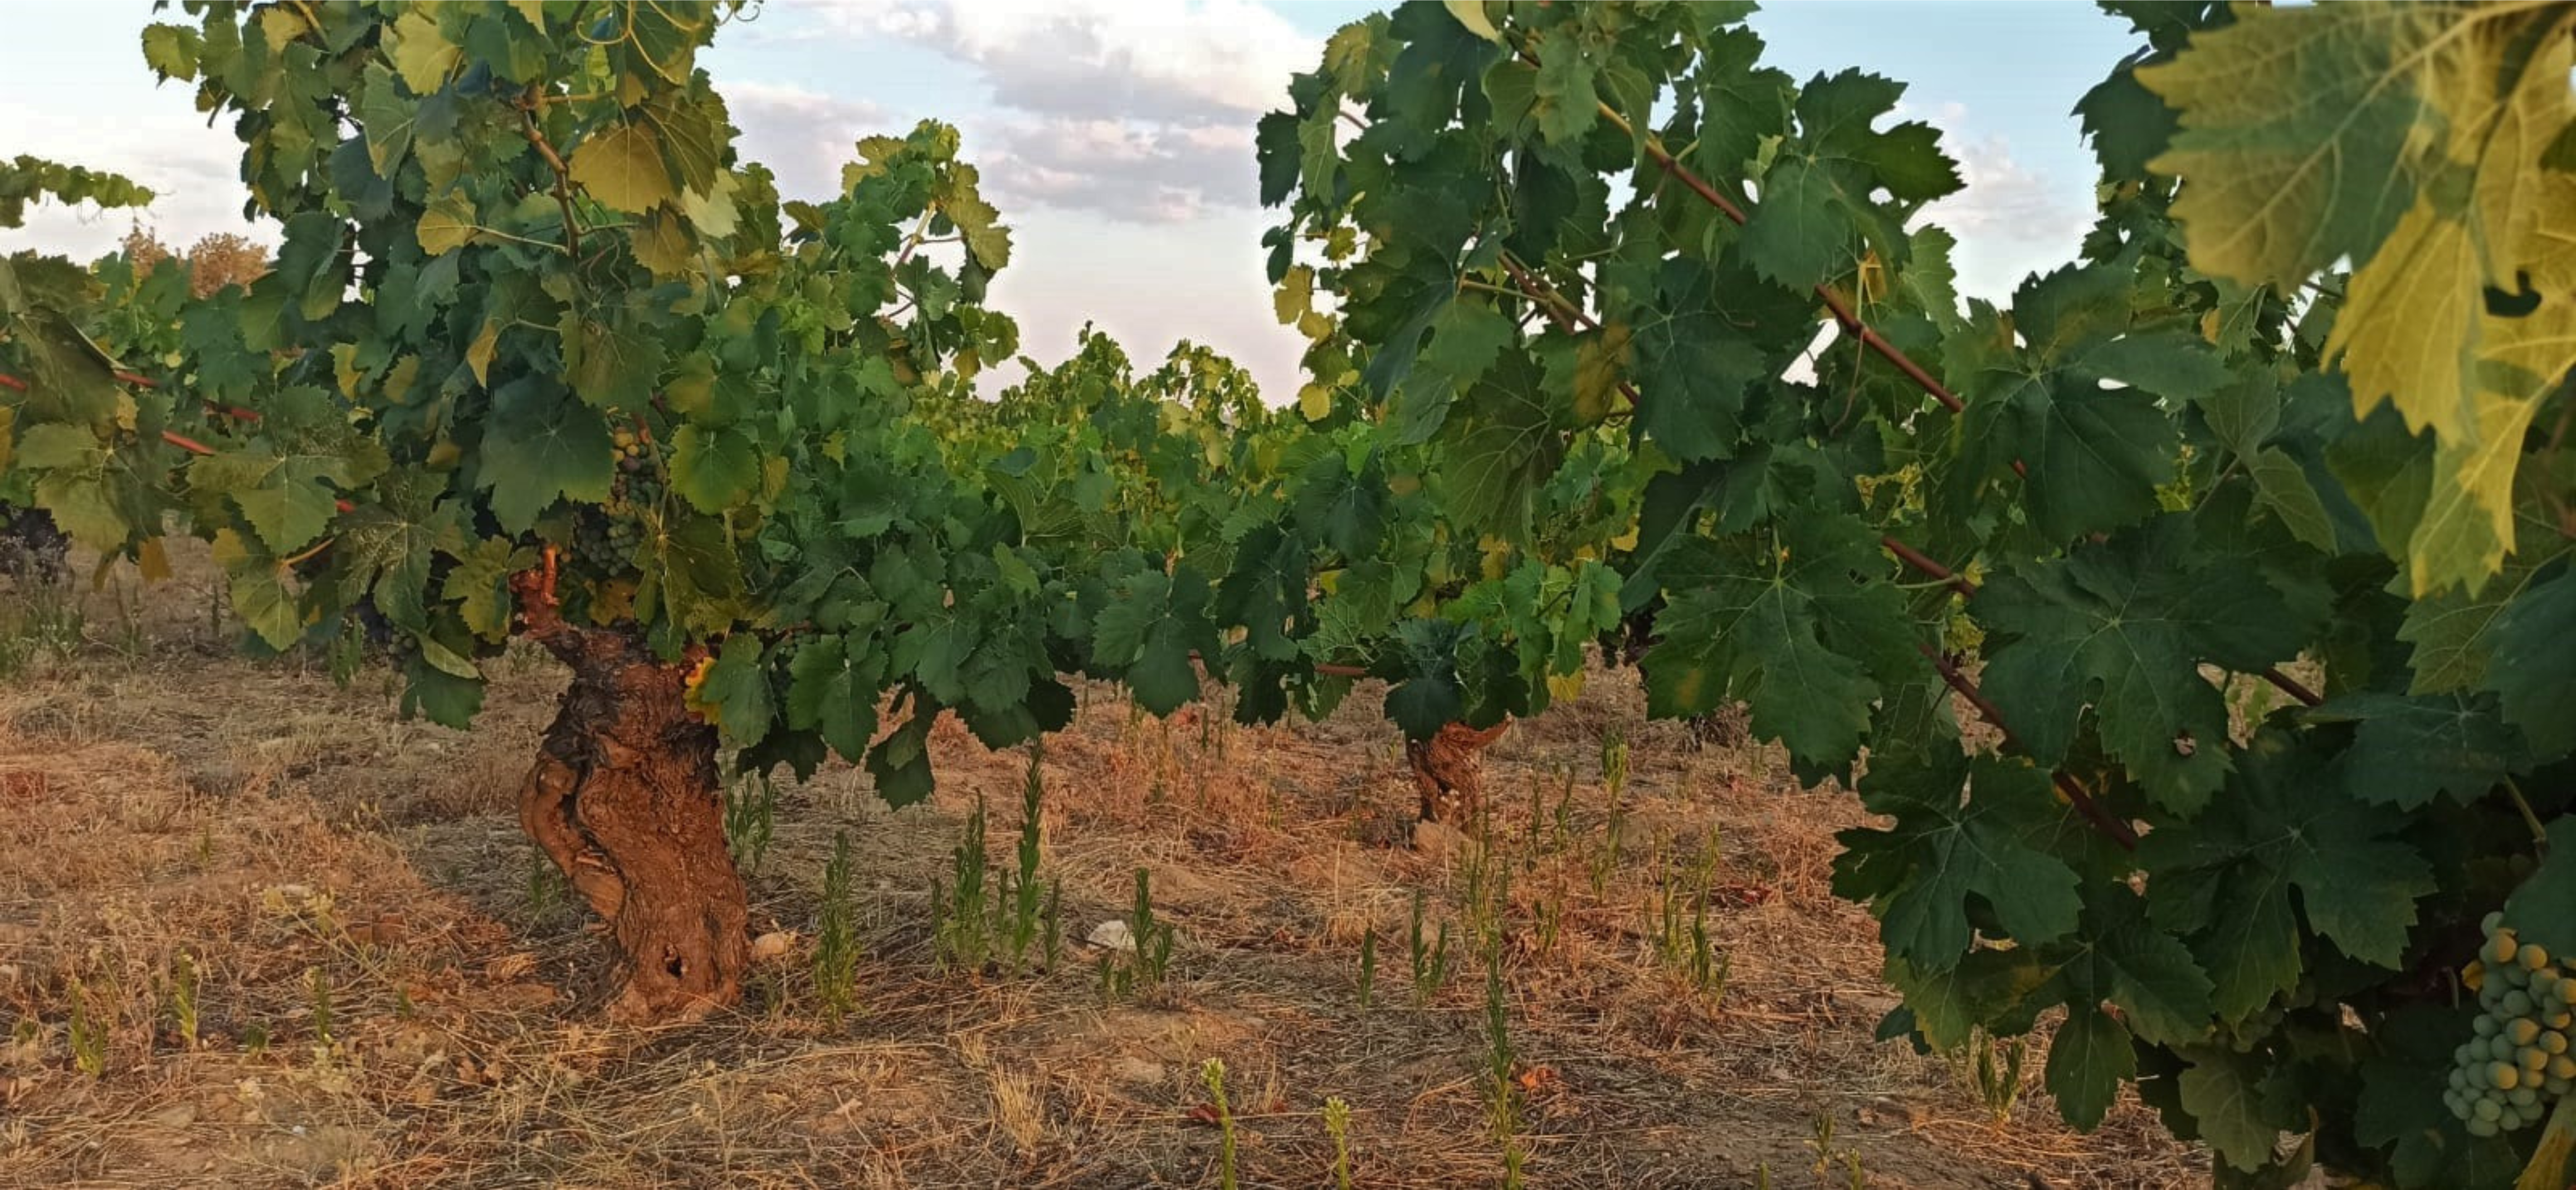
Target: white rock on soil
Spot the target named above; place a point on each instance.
(772, 945)
(1113, 935)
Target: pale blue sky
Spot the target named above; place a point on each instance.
(1116, 134)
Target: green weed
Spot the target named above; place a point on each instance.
(1337, 1124)
(183, 998)
(1212, 1072)
(1139, 974)
(1430, 955)
(750, 816)
(836, 943)
(88, 1033)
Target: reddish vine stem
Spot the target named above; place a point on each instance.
(1835, 302)
(1570, 318)
(1914, 558)
(2291, 686)
(563, 174)
(191, 445)
(235, 412)
(1851, 323)
(1328, 670)
(173, 437)
(2119, 832)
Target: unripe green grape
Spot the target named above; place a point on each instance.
(2556, 1087)
(2522, 1096)
(2488, 1110)
(2493, 921)
(2516, 1004)
(2480, 1126)
(2485, 1026)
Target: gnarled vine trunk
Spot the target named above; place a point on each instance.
(1451, 772)
(624, 798)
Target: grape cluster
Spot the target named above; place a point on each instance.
(2520, 1060)
(630, 451)
(31, 546)
(603, 541)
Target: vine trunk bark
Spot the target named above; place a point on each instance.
(1450, 769)
(624, 799)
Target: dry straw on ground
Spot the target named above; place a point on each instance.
(384, 996)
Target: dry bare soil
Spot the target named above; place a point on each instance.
(388, 992)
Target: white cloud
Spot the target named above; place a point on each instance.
(1175, 61)
(1139, 172)
(2010, 219)
(194, 172)
(1141, 110)
(803, 136)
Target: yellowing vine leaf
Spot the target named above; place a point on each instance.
(282, 25)
(1599, 362)
(622, 168)
(2425, 279)
(2468, 521)
(1315, 402)
(1471, 13)
(421, 54)
(478, 354)
(2407, 139)
(2294, 123)
(447, 225)
(1295, 296)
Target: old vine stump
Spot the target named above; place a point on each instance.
(624, 798)
(1451, 773)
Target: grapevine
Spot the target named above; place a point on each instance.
(1614, 335)
(2143, 470)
